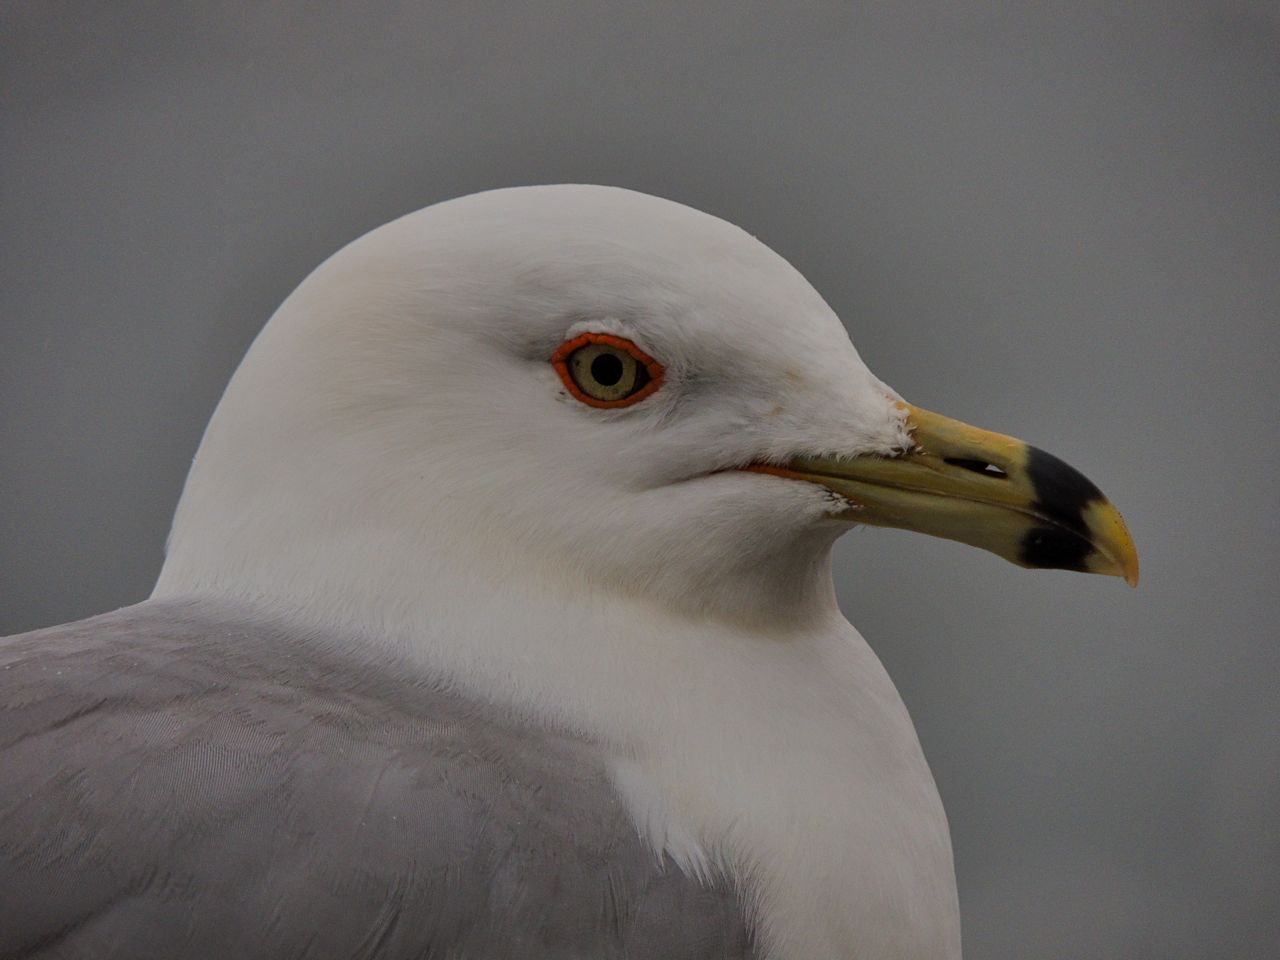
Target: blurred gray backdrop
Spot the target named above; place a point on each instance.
(1061, 223)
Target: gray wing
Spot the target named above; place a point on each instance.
(177, 783)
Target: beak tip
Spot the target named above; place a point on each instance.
(1128, 563)
(1112, 542)
(1129, 566)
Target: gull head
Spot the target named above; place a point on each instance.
(587, 389)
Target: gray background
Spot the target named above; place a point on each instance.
(1061, 224)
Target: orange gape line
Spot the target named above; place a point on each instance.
(560, 360)
(774, 471)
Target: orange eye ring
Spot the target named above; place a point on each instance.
(650, 370)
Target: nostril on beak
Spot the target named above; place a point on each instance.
(978, 466)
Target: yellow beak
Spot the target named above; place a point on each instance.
(983, 489)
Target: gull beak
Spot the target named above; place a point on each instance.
(983, 489)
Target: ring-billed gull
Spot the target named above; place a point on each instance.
(497, 621)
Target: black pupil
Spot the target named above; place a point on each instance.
(606, 369)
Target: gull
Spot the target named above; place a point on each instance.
(497, 621)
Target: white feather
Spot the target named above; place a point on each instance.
(396, 455)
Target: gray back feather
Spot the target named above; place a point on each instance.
(179, 782)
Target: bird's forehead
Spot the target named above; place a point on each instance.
(680, 279)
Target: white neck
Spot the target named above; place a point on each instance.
(784, 758)
(397, 458)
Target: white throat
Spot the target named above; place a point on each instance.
(781, 757)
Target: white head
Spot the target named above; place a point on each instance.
(398, 453)
(400, 415)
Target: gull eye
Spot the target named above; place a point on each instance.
(606, 371)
